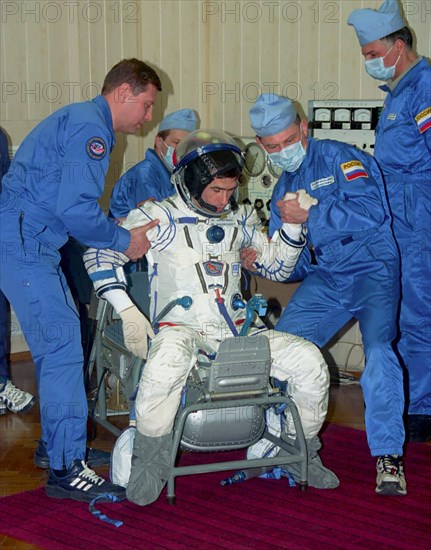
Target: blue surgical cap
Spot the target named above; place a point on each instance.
(371, 25)
(271, 114)
(184, 119)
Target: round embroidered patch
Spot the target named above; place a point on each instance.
(96, 148)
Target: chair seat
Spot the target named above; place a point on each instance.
(223, 429)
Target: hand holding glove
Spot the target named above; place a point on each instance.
(136, 330)
(294, 207)
(305, 200)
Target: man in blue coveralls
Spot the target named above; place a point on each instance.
(403, 151)
(357, 271)
(151, 178)
(50, 192)
(11, 397)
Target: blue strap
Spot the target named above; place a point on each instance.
(105, 274)
(238, 477)
(132, 414)
(183, 399)
(286, 473)
(222, 308)
(105, 497)
(188, 220)
(275, 473)
(245, 280)
(278, 473)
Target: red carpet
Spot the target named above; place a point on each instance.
(259, 514)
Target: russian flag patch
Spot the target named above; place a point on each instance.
(353, 170)
(423, 120)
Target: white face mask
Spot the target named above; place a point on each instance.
(376, 67)
(169, 156)
(290, 158)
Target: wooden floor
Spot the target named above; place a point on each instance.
(19, 435)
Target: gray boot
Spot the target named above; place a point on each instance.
(318, 476)
(151, 463)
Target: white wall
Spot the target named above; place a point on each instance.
(213, 56)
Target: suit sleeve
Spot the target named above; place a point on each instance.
(276, 256)
(303, 263)
(85, 164)
(104, 266)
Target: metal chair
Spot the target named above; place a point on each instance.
(224, 409)
(223, 404)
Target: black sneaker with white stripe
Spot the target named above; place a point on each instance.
(81, 483)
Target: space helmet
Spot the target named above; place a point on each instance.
(199, 158)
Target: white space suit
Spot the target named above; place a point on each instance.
(185, 261)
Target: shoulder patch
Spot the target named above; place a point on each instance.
(96, 148)
(353, 170)
(423, 120)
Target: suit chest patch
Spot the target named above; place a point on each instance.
(323, 182)
(212, 268)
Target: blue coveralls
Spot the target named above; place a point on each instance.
(4, 367)
(357, 275)
(149, 179)
(403, 151)
(51, 191)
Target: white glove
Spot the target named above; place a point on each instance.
(136, 330)
(305, 200)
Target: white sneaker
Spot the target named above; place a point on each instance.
(390, 476)
(16, 400)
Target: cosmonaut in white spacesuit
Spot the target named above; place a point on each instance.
(195, 251)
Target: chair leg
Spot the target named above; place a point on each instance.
(302, 446)
(101, 415)
(176, 442)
